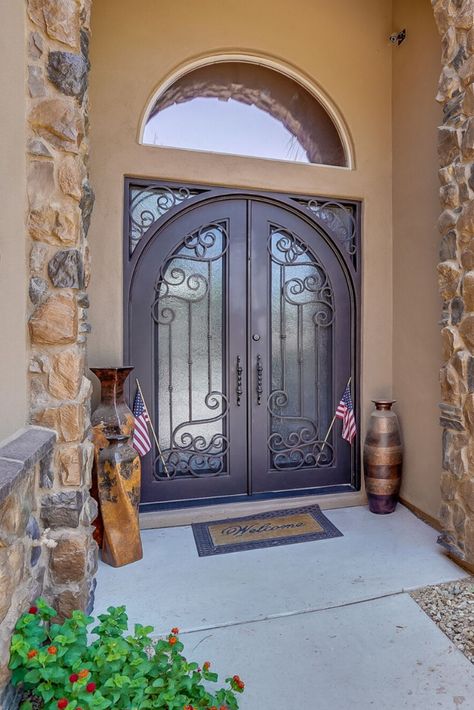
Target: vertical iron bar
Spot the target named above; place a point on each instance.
(190, 360)
(170, 382)
(209, 331)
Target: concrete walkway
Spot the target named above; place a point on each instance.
(321, 625)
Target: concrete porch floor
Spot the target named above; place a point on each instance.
(324, 624)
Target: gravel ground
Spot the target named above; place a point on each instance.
(451, 606)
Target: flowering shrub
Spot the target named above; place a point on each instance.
(57, 665)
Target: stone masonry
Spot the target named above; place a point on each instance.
(60, 201)
(26, 545)
(455, 20)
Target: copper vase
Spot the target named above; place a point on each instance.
(111, 414)
(383, 458)
(119, 476)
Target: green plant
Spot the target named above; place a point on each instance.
(61, 667)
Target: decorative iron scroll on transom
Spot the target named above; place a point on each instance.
(147, 204)
(339, 221)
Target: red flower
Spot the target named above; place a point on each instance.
(223, 707)
(52, 650)
(32, 653)
(90, 687)
(206, 665)
(175, 631)
(172, 640)
(33, 610)
(63, 703)
(74, 678)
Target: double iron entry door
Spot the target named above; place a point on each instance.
(240, 328)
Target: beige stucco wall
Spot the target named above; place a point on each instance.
(342, 47)
(416, 342)
(13, 261)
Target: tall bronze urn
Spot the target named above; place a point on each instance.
(119, 476)
(111, 414)
(383, 458)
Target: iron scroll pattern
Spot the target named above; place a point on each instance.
(147, 204)
(187, 312)
(340, 220)
(300, 402)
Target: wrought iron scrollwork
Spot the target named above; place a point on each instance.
(298, 404)
(197, 455)
(302, 446)
(339, 220)
(148, 203)
(183, 311)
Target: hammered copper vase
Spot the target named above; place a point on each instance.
(119, 475)
(112, 413)
(383, 458)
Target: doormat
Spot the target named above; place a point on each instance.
(280, 527)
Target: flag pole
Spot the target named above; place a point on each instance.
(153, 429)
(330, 427)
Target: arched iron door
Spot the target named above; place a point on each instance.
(241, 329)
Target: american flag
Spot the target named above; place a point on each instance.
(345, 411)
(141, 440)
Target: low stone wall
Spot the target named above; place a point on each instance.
(39, 552)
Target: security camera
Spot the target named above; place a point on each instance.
(397, 38)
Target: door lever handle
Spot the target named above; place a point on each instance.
(259, 379)
(239, 371)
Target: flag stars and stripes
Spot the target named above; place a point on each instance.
(345, 411)
(141, 439)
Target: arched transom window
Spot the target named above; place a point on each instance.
(245, 109)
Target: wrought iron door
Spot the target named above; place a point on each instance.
(240, 324)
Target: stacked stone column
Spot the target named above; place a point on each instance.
(59, 207)
(455, 19)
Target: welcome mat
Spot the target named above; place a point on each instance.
(280, 527)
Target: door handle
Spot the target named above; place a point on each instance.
(238, 371)
(259, 379)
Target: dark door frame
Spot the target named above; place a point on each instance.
(177, 198)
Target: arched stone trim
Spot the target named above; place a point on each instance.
(209, 77)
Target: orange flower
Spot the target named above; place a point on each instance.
(172, 640)
(52, 650)
(206, 665)
(32, 653)
(84, 673)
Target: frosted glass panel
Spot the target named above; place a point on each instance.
(301, 354)
(189, 343)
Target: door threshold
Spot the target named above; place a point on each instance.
(179, 517)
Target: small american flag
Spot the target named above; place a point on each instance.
(345, 411)
(141, 439)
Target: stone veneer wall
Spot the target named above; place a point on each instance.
(25, 473)
(455, 19)
(60, 201)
